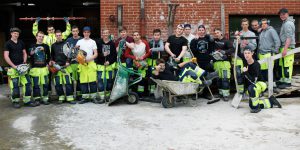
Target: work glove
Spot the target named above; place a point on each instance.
(66, 19)
(38, 19)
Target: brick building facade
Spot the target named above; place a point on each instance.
(195, 12)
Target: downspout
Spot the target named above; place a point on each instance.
(142, 19)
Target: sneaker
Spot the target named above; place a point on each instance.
(212, 75)
(255, 110)
(30, 104)
(16, 104)
(72, 102)
(274, 101)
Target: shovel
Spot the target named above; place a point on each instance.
(237, 96)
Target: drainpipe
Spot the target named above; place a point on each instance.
(142, 19)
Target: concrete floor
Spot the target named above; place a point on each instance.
(148, 126)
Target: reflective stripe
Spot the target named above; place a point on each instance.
(61, 98)
(70, 98)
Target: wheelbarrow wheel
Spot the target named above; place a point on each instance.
(166, 102)
(133, 98)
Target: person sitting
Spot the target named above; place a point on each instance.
(188, 73)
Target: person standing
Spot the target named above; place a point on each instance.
(222, 64)
(62, 76)
(40, 58)
(287, 37)
(88, 69)
(14, 55)
(245, 32)
(74, 64)
(106, 64)
(51, 38)
(176, 45)
(269, 45)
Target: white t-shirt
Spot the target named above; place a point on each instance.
(88, 46)
(139, 49)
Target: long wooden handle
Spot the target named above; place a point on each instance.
(234, 63)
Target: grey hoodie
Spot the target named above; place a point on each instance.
(251, 42)
(288, 31)
(268, 41)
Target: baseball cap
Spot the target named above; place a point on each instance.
(180, 26)
(86, 28)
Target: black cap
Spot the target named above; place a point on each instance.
(283, 10)
(201, 26)
(187, 26)
(248, 48)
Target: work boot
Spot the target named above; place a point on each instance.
(72, 102)
(16, 104)
(37, 102)
(82, 101)
(225, 98)
(60, 102)
(97, 101)
(212, 75)
(255, 110)
(30, 104)
(45, 102)
(284, 85)
(274, 101)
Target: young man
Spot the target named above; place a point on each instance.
(287, 37)
(128, 39)
(14, 55)
(88, 70)
(242, 44)
(189, 72)
(256, 29)
(222, 64)
(269, 44)
(176, 45)
(40, 57)
(157, 48)
(106, 64)
(74, 64)
(189, 36)
(255, 84)
(51, 38)
(138, 52)
(62, 77)
(202, 47)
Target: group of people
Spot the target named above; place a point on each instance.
(191, 58)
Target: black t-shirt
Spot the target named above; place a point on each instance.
(110, 48)
(15, 51)
(202, 48)
(176, 44)
(253, 74)
(42, 58)
(167, 74)
(57, 53)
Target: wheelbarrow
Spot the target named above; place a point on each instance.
(122, 82)
(172, 90)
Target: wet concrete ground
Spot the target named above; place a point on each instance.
(148, 124)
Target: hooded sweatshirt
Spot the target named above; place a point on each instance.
(268, 41)
(288, 31)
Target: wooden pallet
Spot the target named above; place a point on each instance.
(295, 87)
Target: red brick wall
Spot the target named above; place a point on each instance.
(188, 11)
